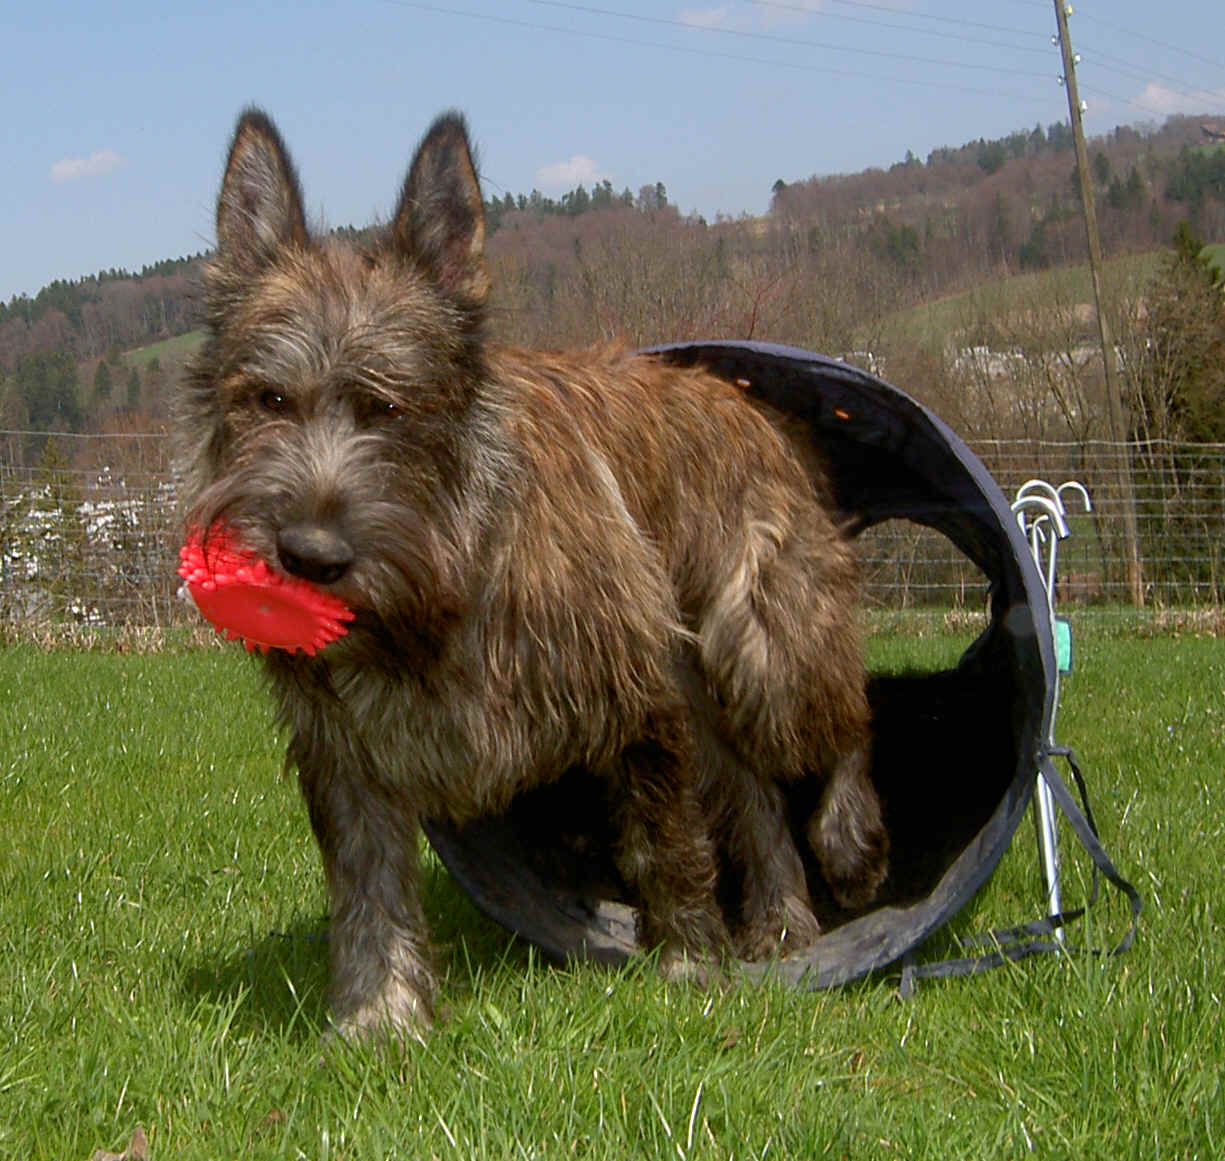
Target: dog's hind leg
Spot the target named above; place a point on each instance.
(847, 832)
(773, 912)
(665, 850)
(780, 650)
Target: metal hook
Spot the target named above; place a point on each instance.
(1079, 488)
(1050, 506)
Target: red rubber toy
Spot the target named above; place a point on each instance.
(246, 600)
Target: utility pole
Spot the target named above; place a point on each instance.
(1114, 397)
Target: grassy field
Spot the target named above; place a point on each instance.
(934, 322)
(161, 916)
(1216, 255)
(173, 350)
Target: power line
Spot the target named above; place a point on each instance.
(714, 54)
(1151, 40)
(790, 41)
(894, 11)
(1120, 66)
(912, 29)
(821, 70)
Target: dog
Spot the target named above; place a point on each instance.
(556, 560)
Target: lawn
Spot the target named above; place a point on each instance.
(1216, 255)
(1018, 296)
(162, 915)
(173, 350)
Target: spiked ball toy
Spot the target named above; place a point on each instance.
(247, 601)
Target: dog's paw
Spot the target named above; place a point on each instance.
(790, 926)
(854, 858)
(802, 928)
(679, 965)
(399, 1017)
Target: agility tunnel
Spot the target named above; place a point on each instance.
(956, 752)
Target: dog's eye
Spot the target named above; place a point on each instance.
(377, 409)
(270, 399)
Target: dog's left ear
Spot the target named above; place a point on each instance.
(440, 219)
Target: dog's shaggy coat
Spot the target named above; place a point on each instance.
(590, 560)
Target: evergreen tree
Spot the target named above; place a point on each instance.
(47, 385)
(1175, 381)
(1179, 387)
(102, 382)
(1101, 168)
(991, 156)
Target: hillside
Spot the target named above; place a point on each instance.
(883, 261)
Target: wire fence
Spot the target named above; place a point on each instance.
(1177, 491)
(88, 533)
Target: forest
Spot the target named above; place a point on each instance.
(901, 266)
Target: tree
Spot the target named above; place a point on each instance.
(1128, 195)
(1198, 174)
(991, 156)
(898, 244)
(602, 195)
(1101, 168)
(154, 386)
(103, 383)
(1000, 233)
(1034, 253)
(1178, 388)
(1175, 380)
(576, 202)
(47, 384)
(1059, 137)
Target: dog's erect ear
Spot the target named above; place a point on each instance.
(260, 207)
(440, 220)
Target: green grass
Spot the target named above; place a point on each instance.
(934, 322)
(168, 350)
(161, 909)
(1216, 256)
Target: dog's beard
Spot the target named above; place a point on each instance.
(405, 578)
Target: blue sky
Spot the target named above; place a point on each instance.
(120, 113)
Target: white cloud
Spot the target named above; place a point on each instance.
(579, 170)
(763, 16)
(791, 12)
(706, 17)
(1158, 99)
(97, 164)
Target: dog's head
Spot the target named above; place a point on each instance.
(327, 416)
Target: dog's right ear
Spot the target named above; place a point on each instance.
(260, 207)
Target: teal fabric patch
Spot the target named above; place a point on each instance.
(1063, 644)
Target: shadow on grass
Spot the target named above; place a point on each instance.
(278, 986)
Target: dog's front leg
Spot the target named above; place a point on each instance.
(381, 982)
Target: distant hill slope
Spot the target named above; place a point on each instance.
(834, 254)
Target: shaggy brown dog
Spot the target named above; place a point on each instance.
(557, 560)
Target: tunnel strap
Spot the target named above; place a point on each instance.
(1033, 938)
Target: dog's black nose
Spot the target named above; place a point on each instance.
(314, 553)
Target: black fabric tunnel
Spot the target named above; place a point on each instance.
(955, 751)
